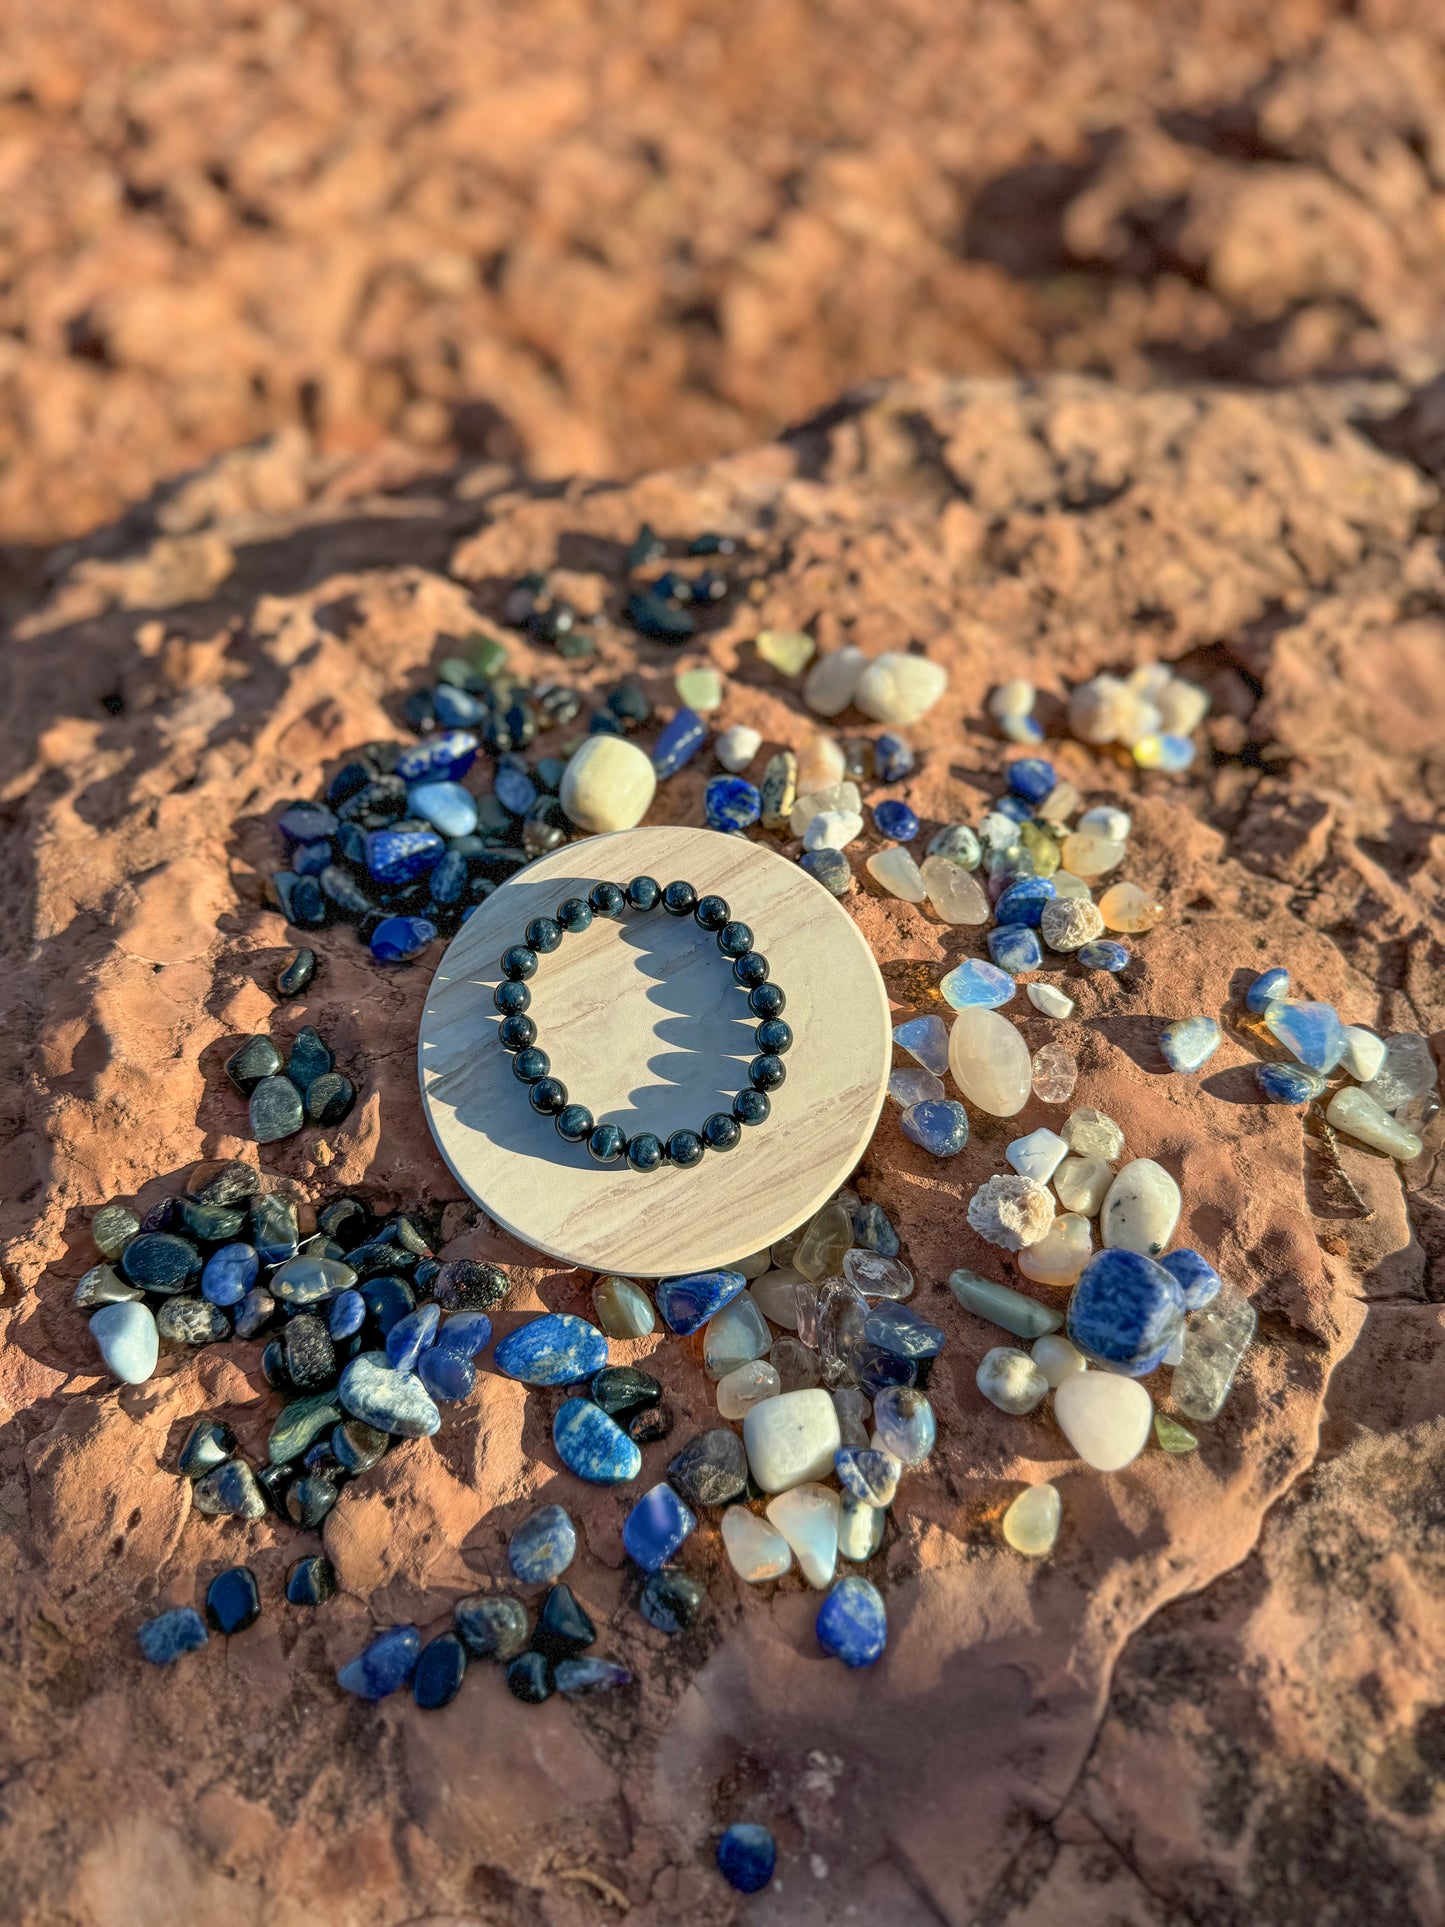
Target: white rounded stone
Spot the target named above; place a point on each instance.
(1031, 1524)
(608, 784)
(832, 682)
(738, 1392)
(954, 892)
(1105, 820)
(1182, 706)
(1364, 1053)
(1010, 1211)
(900, 689)
(1056, 1358)
(1009, 1379)
(895, 871)
(1016, 698)
(860, 1528)
(756, 1551)
(737, 747)
(1038, 1155)
(990, 1062)
(820, 762)
(1093, 1133)
(1105, 1417)
(1141, 1209)
(1085, 855)
(1356, 1113)
(1082, 1184)
(128, 1340)
(807, 1517)
(791, 1439)
(1050, 999)
(833, 830)
(837, 796)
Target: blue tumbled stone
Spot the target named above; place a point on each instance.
(656, 1527)
(440, 1669)
(1013, 807)
(233, 1600)
(901, 1331)
(1195, 1277)
(683, 737)
(442, 758)
(1312, 1033)
(1288, 1083)
(555, 1349)
(831, 868)
(410, 1336)
(905, 1422)
(1189, 1043)
(542, 1547)
(391, 1401)
(974, 983)
(383, 1667)
(1015, 947)
(347, 1315)
(401, 856)
(306, 822)
(577, 1676)
(456, 708)
(746, 1856)
(446, 1376)
(1102, 953)
(591, 1445)
(940, 1125)
(310, 859)
(894, 818)
(1023, 902)
(892, 757)
(399, 939)
(1126, 1311)
(869, 1475)
(873, 1230)
(685, 1303)
(449, 878)
(1032, 778)
(448, 807)
(230, 1273)
(852, 1623)
(171, 1634)
(514, 789)
(464, 1334)
(731, 803)
(1268, 985)
(878, 1369)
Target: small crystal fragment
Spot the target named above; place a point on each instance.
(897, 873)
(1055, 1073)
(1031, 1524)
(1409, 1070)
(876, 1276)
(828, 1236)
(1001, 1305)
(794, 1366)
(1105, 1417)
(953, 891)
(756, 1550)
(1056, 1358)
(788, 650)
(1172, 1436)
(1061, 1254)
(1125, 907)
(1050, 1000)
(941, 1128)
(1356, 1113)
(1215, 1340)
(1010, 1211)
(1189, 1042)
(1009, 1379)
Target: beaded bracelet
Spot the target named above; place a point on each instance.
(608, 1142)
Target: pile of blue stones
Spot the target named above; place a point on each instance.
(669, 583)
(304, 1087)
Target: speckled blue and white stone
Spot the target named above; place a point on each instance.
(1126, 1311)
(391, 1401)
(731, 803)
(679, 742)
(1189, 1042)
(440, 759)
(869, 1475)
(939, 1125)
(464, 1334)
(686, 1303)
(1103, 954)
(1032, 778)
(590, 1444)
(170, 1635)
(543, 1546)
(853, 1622)
(399, 939)
(746, 1856)
(1194, 1275)
(1023, 902)
(401, 856)
(1015, 947)
(555, 1349)
(383, 1667)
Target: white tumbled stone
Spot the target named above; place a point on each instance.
(1015, 698)
(608, 784)
(954, 892)
(1061, 1254)
(1364, 1053)
(1094, 1134)
(1356, 1113)
(860, 1528)
(756, 1550)
(791, 1439)
(739, 1391)
(990, 1062)
(1107, 820)
(1031, 1524)
(737, 747)
(900, 689)
(895, 871)
(833, 830)
(1009, 1379)
(835, 796)
(1038, 1155)
(1105, 1417)
(1050, 1000)
(1056, 1358)
(807, 1517)
(1082, 1184)
(832, 682)
(1141, 1208)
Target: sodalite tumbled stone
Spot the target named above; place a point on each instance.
(400, 856)
(939, 1125)
(441, 758)
(1023, 902)
(1103, 954)
(555, 1349)
(1015, 947)
(852, 1622)
(686, 1303)
(1194, 1275)
(543, 1546)
(592, 1445)
(170, 1635)
(1189, 1042)
(383, 1667)
(746, 1856)
(1288, 1083)
(976, 982)
(1312, 1033)
(656, 1527)
(399, 939)
(1126, 1312)
(392, 1401)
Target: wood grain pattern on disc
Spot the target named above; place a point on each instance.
(645, 1025)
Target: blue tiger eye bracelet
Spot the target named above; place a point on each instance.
(608, 1143)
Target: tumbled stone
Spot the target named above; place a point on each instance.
(159, 1261)
(229, 1273)
(391, 1401)
(688, 1302)
(976, 984)
(852, 1623)
(1009, 1379)
(1215, 1341)
(791, 1439)
(1364, 1053)
(1011, 1211)
(873, 1229)
(912, 1085)
(731, 803)
(1267, 986)
(820, 763)
(1355, 1112)
(233, 1600)
(1055, 1072)
(895, 1329)
(399, 940)
(1038, 1155)
(1023, 1316)
(1125, 1312)
(1023, 901)
(112, 1228)
(876, 1276)
(828, 1236)
(169, 1636)
(737, 747)
(1311, 1033)
(900, 689)
(209, 1443)
(300, 1423)
(860, 1527)
(230, 1489)
(773, 1294)
(1195, 1277)
(990, 1062)
(756, 1550)
(1061, 1254)
(554, 1349)
(543, 1546)
(1289, 1083)
(258, 1057)
(277, 1110)
(622, 1389)
(1031, 1524)
(832, 682)
(855, 1411)
(1105, 1417)
(1172, 1436)
(383, 1667)
(1407, 1072)
(1103, 955)
(128, 1341)
(870, 1476)
(958, 844)
(733, 1336)
(440, 1669)
(467, 1285)
(1127, 908)
(1082, 1184)
(895, 871)
(192, 1321)
(655, 1527)
(746, 1386)
(1141, 1208)
(564, 1627)
(576, 1677)
(807, 1517)
(1056, 1358)
(779, 789)
(592, 1445)
(608, 784)
(746, 1853)
(712, 1469)
(672, 1600)
(310, 1281)
(311, 1581)
(926, 1040)
(679, 742)
(1050, 1000)
(832, 830)
(491, 1625)
(1189, 1043)
(830, 868)
(904, 1423)
(529, 1678)
(953, 892)
(101, 1286)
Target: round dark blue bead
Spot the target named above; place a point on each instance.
(531, 1064)
(544, 933)
(765, 1073)
(721, 1132)
(574, 914)
(684, 1149)
(773, 1036)
(751, 969)
(607, 899)
(712, 912)
(679, 899)
(607, 1143)
(549, 1096)
(645, 1152)
(735, 940)
(518, 1031)
(574, 1123)
(751, 1107)
(766, 1000)
(643, 893)
(519, 962)
(511, 996)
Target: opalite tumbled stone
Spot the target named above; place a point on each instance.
(1141, 1208)
(852, 1622)
(608, 784)
(900, 689)
(975, 984)
(1189, 1042)
(832, 682)
(734, 1335)
(1056, 1358)
(1288, 1083)
(1002, 1305)
(904, 1423)
(1312, 1033)
(791, 1439)
(688, 1302)
(623, 1309)
(939, 1127)
(1350, 1110)
(592, 1445)
(1038, 1155)
(656, 1526)
(1195, 1277)
(128, 1340)
(555, 1349)
(1061, 1254)
(953, 891)
(1364, 1053)
(739, 1391)
(1126, 907)
(1050, 1000)
(926, 1040)
(911, 1084)
(1125, 1312)
(756, 1550)
(1031, 1524)
(1068, 923)
(1011, 1211)
(1215, 1340)
(807, 1517)
(1105, 1417)
(1009, 1379)
(990, 1062)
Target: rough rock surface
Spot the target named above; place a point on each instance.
(1223, 1699)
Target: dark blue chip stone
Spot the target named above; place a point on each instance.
(447, 1376)
(168, 1636)
(401, 856)
(574, 914)
(873, 1229)
(672, 1600)
(652, 615)
(454, 708)
(305, 822)
(767, 1000)
(311, 1582)
(516, 1032)
(643, 893)
(731, 803)
(548, 1095)
(712, 912)
(852, 1622)
(511, 997)
(387, 1299)
(767, 1072)
(746, 1857)
(902, 1332)
(604, 723)
(892, 758)
(645, 1151)
(607, 899)
(721, 1132)
(529, 1678)
(440, 1670)
(449, 878)
(894, 818)
(310, 859)
(514, 789)
(543, 934)
(684, 1149)
(564, 1629)
(519, 962)
(310, 1499)
(310, 1058)
(278, 1110)
(687, 1302)
(656, 1526)
(1032, 778)
(621, 1389)
(774, 1036)
(877, 1368)
(751, 969)
(159, 1261)
(574, 1123)
(357, 1447)
(751, 1107)
(1195, 1277)
(384, 1666)
(607, 1143)
(209, 1443)
(443, 757)
(735, 939)
(233, 1600)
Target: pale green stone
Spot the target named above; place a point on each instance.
(788, 650)
(830, 1234)
(1002, 1305)
(701, 689)
(1172, 1436)
(1215, 1340)
(1356, 1113)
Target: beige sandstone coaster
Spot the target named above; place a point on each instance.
(645, 1025)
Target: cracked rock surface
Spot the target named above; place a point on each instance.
(1222, 1699)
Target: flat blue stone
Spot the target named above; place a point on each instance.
(391, 1401)
(1023, 902)
(577, 1676)
(1014, 808)
(1195, 1277)
(869, 1475)
(449, 878)
(1268, 985)
(892, 757)
(685, 1303)
(440, 1670)
(410, 1336)
(1288, 1083)
(894, 818)
(976, 983)
(446, 1376)
(230, 1273)
(449, 808)
(310, 859)
(399, 939)
(926, 1040)
(555, 1349)
(347, 1315)
(514, 789)
(1126, 1312)
(383, 1667)
(852, 1623)
(1032, 778)
(401, 856)
(731, 803)
(464, 1334)
(456, 708)
(746, 1856)
(1189, 1042)
(306, 822)
(1312, 1033)
(172, 1634)
(1015, 947)
(656, 1527)
(877, 1369)
(591, 1445)
(1102, 953)
(898, 1330)
(442, 757)
(542, 1547)
(873, 1229)
(683, 737)
(940, 1125)
(233, 1600)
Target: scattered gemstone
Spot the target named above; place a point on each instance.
(233, 1600)
(171, 1635)
(789, 651)
(860, 1528)
(875, 1275)
(399, 939)
(1189, 1042)
(733, 1336)
(192, 1321)
(1350, 1110)
(1032, 778)
(895, 819)
(685, 1303)
(310, 1281)
(209, 1443)
(941, 1128)
(383, 1667)
(492, 1625)
(1023, 902)
(1055, 1073)
(1195, 1277)
(1056, 1358)
(679, 742)
(712, 1469)
(737, 747)
(1141, 1208)
(564, 1627)
(926, 1040)
(1068, 923)
(1408, 1071)
(1215, 1340)
(1031, 1524)
(1105, 1417)
(232, 1490)
(1289, 1083)
(904, 1421)
(440, 1669)
(1015, 947)
(756, 1550)
(746, 1857)
(895, 871)
(870, 1476)
(656, 1527)
(159, 1261)
(976, 983)
(1311, 1033)
(852, 1624)
(542, 1547)
(278, 1110)
(739, 1390)
(391, 1401)
(1103, 955)
(1061, 1254)
(1038, 1155)
(464, 1334)
(311, 1581)
(622, 1389)
(128, 1340)
(1127, 908)
(672, 1601)
(576, 1677)
(529, 1678)
(592, 1445)
(554, 1349)
(1009, 1379)
(1125, 1312)
(1011, 1211)
(1050, 1000)
(791, 1439)
(731, 803)
(1172, 1436)
(900, 689)
(609, 783)
(112, 1228)
(895, 1329)
(1364, 1053)
(830, 868)
(807, 1517)
(910, 1086)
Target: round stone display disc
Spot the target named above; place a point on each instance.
(645, 1025)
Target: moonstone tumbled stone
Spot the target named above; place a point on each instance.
(1011, 1211)
(608, 784)
(1010, 1380)
(734, 1335)
(953, 891)
(1038, 1155)
(1141, 1209)
(1354, 1112)
(897, 873)
(1106, 1418)
(807, 1517)
(904, 1424)
(1189, 1042)
(756, 1550)
(1082, 1184)
(900, 689)
(1061, 1254)
(1031, 1524)
(1215, 1340)
(791, 1439)
(833, 796)
(128, 1340)
(860, 1528)
(990, 1062)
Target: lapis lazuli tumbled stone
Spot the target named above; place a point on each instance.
(399, 939)
(746, 1857)
(169, 1635)
(894, 818)
(1189, 1043)
(446, 1375)
(1195, 1277)
(593, 1445)
(1268, 985)
(938, 1125)
(656, 1527)
(464, 1334)
(892, 757)
(543, 1546)
(1312, 1033)
(1032, 778)
(230, 1273)
(688, 1302)
(1013, 807)
(1288, 1083)
(400, 856)
(731, 803)
(383, 1667)
(306, 822)
(683, 737)
(441, 758)
(852, 1622)
(902, 1332)
(1102, 953)
(1023, 902)
(555, 1349)
(1126, 1311)
(1015, 947)
(514, 789)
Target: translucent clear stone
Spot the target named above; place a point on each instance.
(1364, 1053)
(807, 1517)
(1038, 1155)
(738, 1392)
(1094, 1134)
(1031, 1524)
(1061, 1254)
(1172, 1436)
(876, 1276)
(1050, 1000)
(833, 830)
(1009, 1379)
(755, 1266)
(734, 1335)
(1215, 1340)
(1072, 887)
(828, 1236)
(806, 1311)
(953, 891)
(926, 1040)
(1055, 1073)
(820, 762)
(832, 682)
(791, 1439)
(775, 1295)
(1125, 907)
(623, 1309)
(1060, 803)
(796, 1367)
(842, 1317)
(911, 1084)
(854, 1412)
(900, 689)
(895, 871)
(1105, 1417)
(1356, 1113)
(1010, 1211)
(990, 1062)
(1408, 1071)
(756, 1550)
(1056, 1358)
(1082, 1184)
(811, 803)
(608, 784)
(1086, 855)
(860, 1529)
(1141, 1209)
